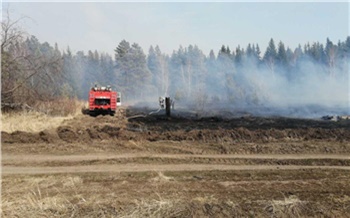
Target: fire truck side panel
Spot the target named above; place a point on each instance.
(113, 101)
(91, 100)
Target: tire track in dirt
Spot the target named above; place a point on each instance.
(157, 168)
(42, 158)
(166, 159)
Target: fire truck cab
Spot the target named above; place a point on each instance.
(102, 100)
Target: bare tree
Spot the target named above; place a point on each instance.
(11, 32)
(11, 37)
(27, 75)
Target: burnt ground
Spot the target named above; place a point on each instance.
(135, 124)
(188, 165)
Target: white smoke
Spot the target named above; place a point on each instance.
(313, 91)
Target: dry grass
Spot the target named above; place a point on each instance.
(289, 207)
(42, 200)
(30, 121)
(156, 208)
(68, 197)
(60, 107)
(162, 178)
(33, 121)
(118, 195)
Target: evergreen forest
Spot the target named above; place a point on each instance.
(34, 71)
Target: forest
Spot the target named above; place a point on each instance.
(33, 72)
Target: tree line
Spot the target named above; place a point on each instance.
(32, 71)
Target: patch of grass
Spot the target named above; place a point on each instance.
(41, 199)
(291, 206)
(156, 208)
(162, 178)
(30, 121)
(60, 107)
(51, 115)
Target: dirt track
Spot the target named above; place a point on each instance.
(47, 164)
(43, 158)
(139, 162)
(184, 166)
(155, 168)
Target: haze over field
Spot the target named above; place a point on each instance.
(289, 59)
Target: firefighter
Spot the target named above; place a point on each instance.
(161, 102)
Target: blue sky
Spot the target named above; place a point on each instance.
(101, 26)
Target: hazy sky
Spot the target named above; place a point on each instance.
(101, 26)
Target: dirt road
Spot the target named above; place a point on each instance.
(23, 164)
(150, 167)
(42, 158)
(133, 162)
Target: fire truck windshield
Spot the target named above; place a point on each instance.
(99, 101)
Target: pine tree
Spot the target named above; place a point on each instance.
(347, 47)
(257, 52)
(70, 88)
(107, 72)
(282, 55)
(122, 53)
(331, 53)
(270, 56)
(132, 70)
(80, 61)
(271, 53)
(250, 51)
(212, 55)
(158, 65)
(122, 50)
(239, 56)
(153, 66)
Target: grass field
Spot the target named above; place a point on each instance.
(153, 166)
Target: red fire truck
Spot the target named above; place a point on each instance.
(102, 100)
